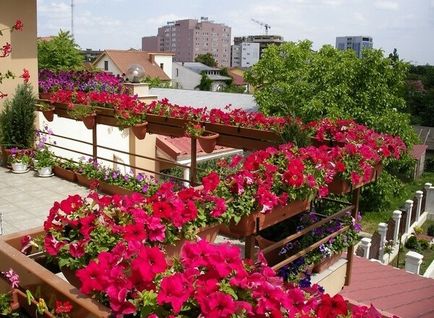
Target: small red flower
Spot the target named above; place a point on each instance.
(18, 25)
(62, 307)
(25, 76)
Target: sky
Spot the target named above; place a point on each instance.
(407, 25)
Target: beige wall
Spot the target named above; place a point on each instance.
(24, 49)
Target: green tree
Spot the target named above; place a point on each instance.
(205, 83)
(207, 59)
(60, 53)
(292, 79)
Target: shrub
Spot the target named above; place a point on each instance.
(430, 230)
(378, 195)
(424, 244)
(412, 243)
(17, 119)
(418, 230)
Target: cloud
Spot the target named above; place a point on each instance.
(386, 5)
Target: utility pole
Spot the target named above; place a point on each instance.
(72, 18)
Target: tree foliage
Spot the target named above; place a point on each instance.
(60, 53)
(292, 79)
(205, 83)
(207, 59)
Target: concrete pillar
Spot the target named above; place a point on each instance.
(382, 229)
(419, 197)
(412, 262)
(366, 246)
(408, 208)
(397, 218)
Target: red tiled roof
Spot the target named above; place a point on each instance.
(390, 289)
(124, 59)
(418, 151)
(237, 79)
(180, 148)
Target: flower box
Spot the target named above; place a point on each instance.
(83, 180)
(108, 188)
(252, 133)
(341, 186)
(170, 121)
(326, 262)
(65, 174)
(33, 275)
(208, 233)
(257, 221)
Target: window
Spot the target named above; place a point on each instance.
(177, 72)
(105, 65)
(161, 65)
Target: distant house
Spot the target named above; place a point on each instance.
(156, 65)
(237, 75)
(187, 75)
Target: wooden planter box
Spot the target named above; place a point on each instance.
(326, 263)
(208, 233)
(251, 133)
(111, 189)
(341, 186)
(33, 275)
(66, 174)
(257, 221)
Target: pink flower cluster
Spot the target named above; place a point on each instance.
(342, 132)
(78, 229)
(209, 281)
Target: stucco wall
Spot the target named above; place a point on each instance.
(112, 68)
(24, 49)
(184, 78)
(167, 63)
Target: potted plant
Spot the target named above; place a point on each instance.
(44, 161)
(207, 139)
(19, 160)
(130, 112)
(17, 121)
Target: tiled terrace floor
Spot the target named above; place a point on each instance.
(25, 199)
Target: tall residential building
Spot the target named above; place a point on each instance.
(247, 50)
(356, 43)
(190, 38)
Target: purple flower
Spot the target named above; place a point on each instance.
(139, 177)
(145, 188)
(13, 278)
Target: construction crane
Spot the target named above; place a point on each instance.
(265, 25)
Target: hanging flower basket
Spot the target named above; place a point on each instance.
(139, 130)
(48, 113)
(90, 121)
(208, 141)
(341, 186)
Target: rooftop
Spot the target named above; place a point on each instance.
(390, 289)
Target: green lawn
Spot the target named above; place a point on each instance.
(428, 254)
(370, 220)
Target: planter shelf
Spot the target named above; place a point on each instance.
(230, 136)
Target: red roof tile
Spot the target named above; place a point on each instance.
(390, 289)
(180, 148)
(237, 79)
(124, 59)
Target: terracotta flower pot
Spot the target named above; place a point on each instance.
(139, 130)
(90, 121)
(83, 180)
(49, 114)
(208, 141)
(111, 189)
